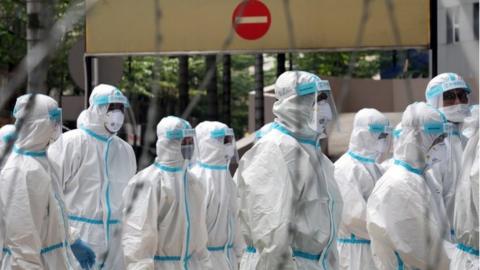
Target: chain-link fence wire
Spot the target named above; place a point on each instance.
(78, 10)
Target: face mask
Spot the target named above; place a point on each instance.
(323, 117)
(187, 151)
(229, 150)
(456, 113)
(114, 121)
(437, 153)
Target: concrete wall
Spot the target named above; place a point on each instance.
(461, 57)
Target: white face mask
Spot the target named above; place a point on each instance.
(437, 153)
(114, 121)
(456, 113)
(187, 151)
(323, 116)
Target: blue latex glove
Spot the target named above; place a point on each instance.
(84, 254)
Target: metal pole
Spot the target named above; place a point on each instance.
(212, 96)
(39, 18)
(434, 36)
(183, 82)
(227, 86)
(280, 64)
(259, 99)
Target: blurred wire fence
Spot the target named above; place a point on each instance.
(76, 13)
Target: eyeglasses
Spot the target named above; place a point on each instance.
(451, 95)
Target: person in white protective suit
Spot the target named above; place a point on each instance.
(449, 93)
(93, 166)
(386, 164)
(36, 229)
(465, 219)
(164, 225)
(356, 173)
(263, 131)
(7, 135)
(470, 125)
(216, 145)
(403, 219)
(290, 205)
(82, 117)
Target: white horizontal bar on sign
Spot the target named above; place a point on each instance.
(251, 19)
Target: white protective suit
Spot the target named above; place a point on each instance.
(356, 173)
(445, 180)
(164, 224)
(93, 167)
(290, 205)
(403, 219)
(466, 222)
(225, 242)
(7, 134)
(36, 225)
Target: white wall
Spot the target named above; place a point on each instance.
(461, 57)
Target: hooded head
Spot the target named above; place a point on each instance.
(422, 127)
(42, 122)
(171, 131)
(449, 93)
(81, 118)
(370, 134)
(215, 143)
(295, 108)
(98, 117)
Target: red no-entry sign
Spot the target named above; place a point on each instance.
(251, 19)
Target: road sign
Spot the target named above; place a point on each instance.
(251, 19)
(126, 27)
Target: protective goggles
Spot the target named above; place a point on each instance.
(117, 97)
(447, 86)
(225, 133)
(380, 128)
(313, 87)
(451, 95)
(178, 134)
(436, 128)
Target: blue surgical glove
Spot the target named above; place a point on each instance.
(84, 254)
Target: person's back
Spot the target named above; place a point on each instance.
(356, 173)
(93, 166)
(164, 215)
(465, 221)
(216, 147)
(403, 219)
(36, 227)
(289, 202)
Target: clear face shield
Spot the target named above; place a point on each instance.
(187, 138)
(324, 109)
(439, 152)
(383, 134)
(226, 139)
(451, 98)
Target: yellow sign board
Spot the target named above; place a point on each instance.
(191, 26)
